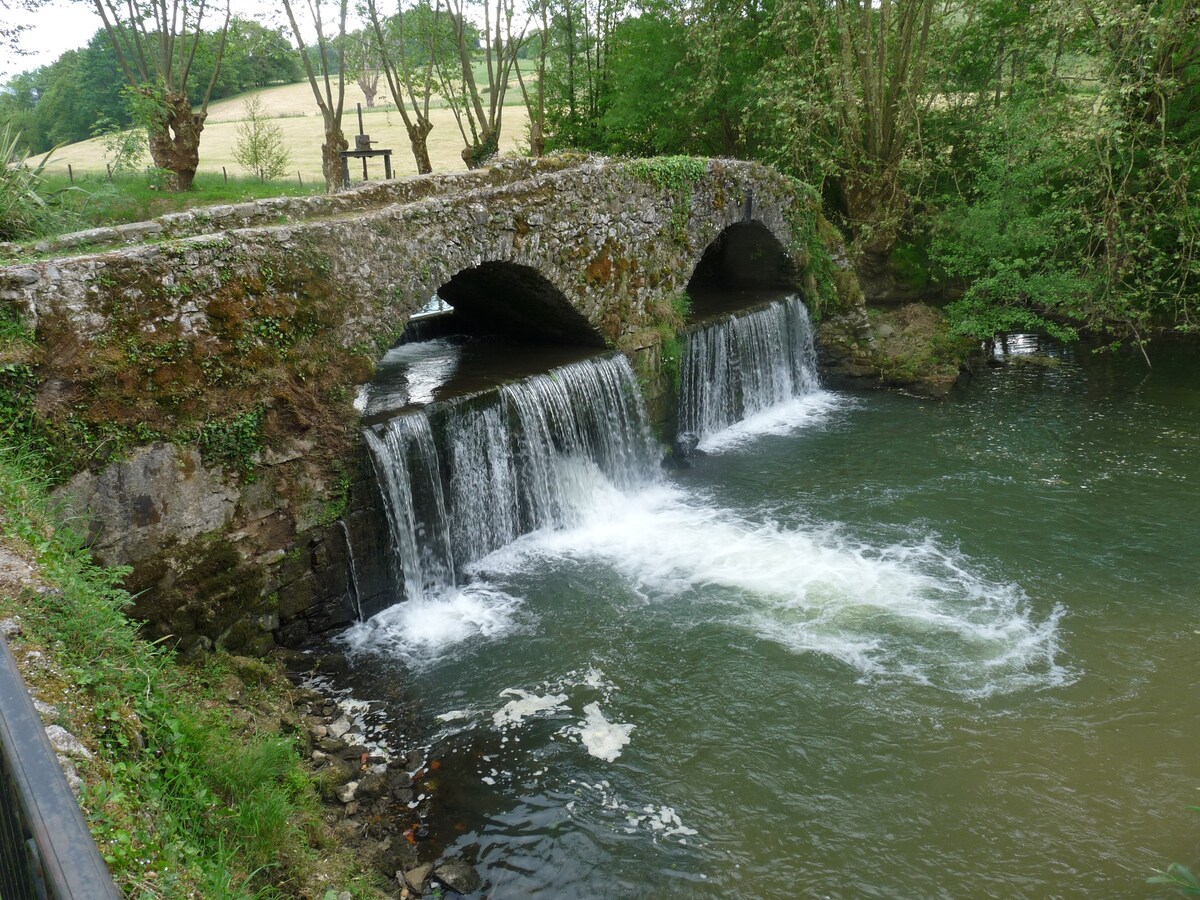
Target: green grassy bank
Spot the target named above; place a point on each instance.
(195, 787)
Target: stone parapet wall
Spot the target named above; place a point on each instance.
(278, 210)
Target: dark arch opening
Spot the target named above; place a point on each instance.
(745, 259)
(515, 301)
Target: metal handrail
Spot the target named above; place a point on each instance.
(46, 849)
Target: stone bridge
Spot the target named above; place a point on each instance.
(193, 376)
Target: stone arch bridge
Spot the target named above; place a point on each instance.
(192, 375)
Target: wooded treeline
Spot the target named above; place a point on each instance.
(1039, 158)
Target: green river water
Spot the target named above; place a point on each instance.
(871, 646)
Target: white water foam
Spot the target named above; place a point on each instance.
(524, 706)
(424, 630)
(603, 739)
(806, 411)
(914, 611)
(661, 821)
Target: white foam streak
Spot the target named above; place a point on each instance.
(525, 705)
(807, 411)
(910, 610)
(423, 630)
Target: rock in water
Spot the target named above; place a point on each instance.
(417, 877)
(458, 876)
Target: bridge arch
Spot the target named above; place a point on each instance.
(744, 255)
(502, 297)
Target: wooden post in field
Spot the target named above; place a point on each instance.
(298, 178)
(70, 173)
(226, 174)
(109, 167)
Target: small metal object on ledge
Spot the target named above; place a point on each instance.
(362, 150)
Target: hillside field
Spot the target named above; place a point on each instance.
(295, 111)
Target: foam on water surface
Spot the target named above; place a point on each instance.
(420, 632)
(911, 610)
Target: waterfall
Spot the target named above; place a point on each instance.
(465, 477)
(745, 364)
(355, 590)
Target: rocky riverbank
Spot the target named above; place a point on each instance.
(908, 348)
(377, 785)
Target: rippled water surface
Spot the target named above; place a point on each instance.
(868, 646)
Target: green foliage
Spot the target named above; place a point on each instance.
(645, 104)
(676, 174)
(176, 797)
(235, 441)
(1067, 207)
(124, 148)
(18, 382)
(335, 507)
(671, 356)
(26, 208)
(260, 148)
(681, 306)
(1180, 877)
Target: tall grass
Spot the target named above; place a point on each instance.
(94, 201)
(28, 209)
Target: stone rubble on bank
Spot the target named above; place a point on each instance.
(374, 795)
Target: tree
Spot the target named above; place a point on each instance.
(534, 94)
(362, 57)
(254, 57)
(406, 57)
(1067, 193)
(260, 146)
(502, 38)
(155, 43)
(330, 53)
(847, 92)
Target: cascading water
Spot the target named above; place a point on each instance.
(461, 479)
(890, 648)
(745, 364)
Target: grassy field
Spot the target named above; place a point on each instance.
(296, 113)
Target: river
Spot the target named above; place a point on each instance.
(866, 646)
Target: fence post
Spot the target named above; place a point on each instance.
(70, 173)
(226, 174)
(298, 178)
(109, 167)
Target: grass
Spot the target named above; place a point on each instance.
(94, 200)
(293, 109)
(188, 794)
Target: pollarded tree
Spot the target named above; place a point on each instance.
(362, 59)
(846, 96)
(155, 42)
(330, 52)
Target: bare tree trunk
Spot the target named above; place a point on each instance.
(331, 156)
(418, 137)
(175, 140)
